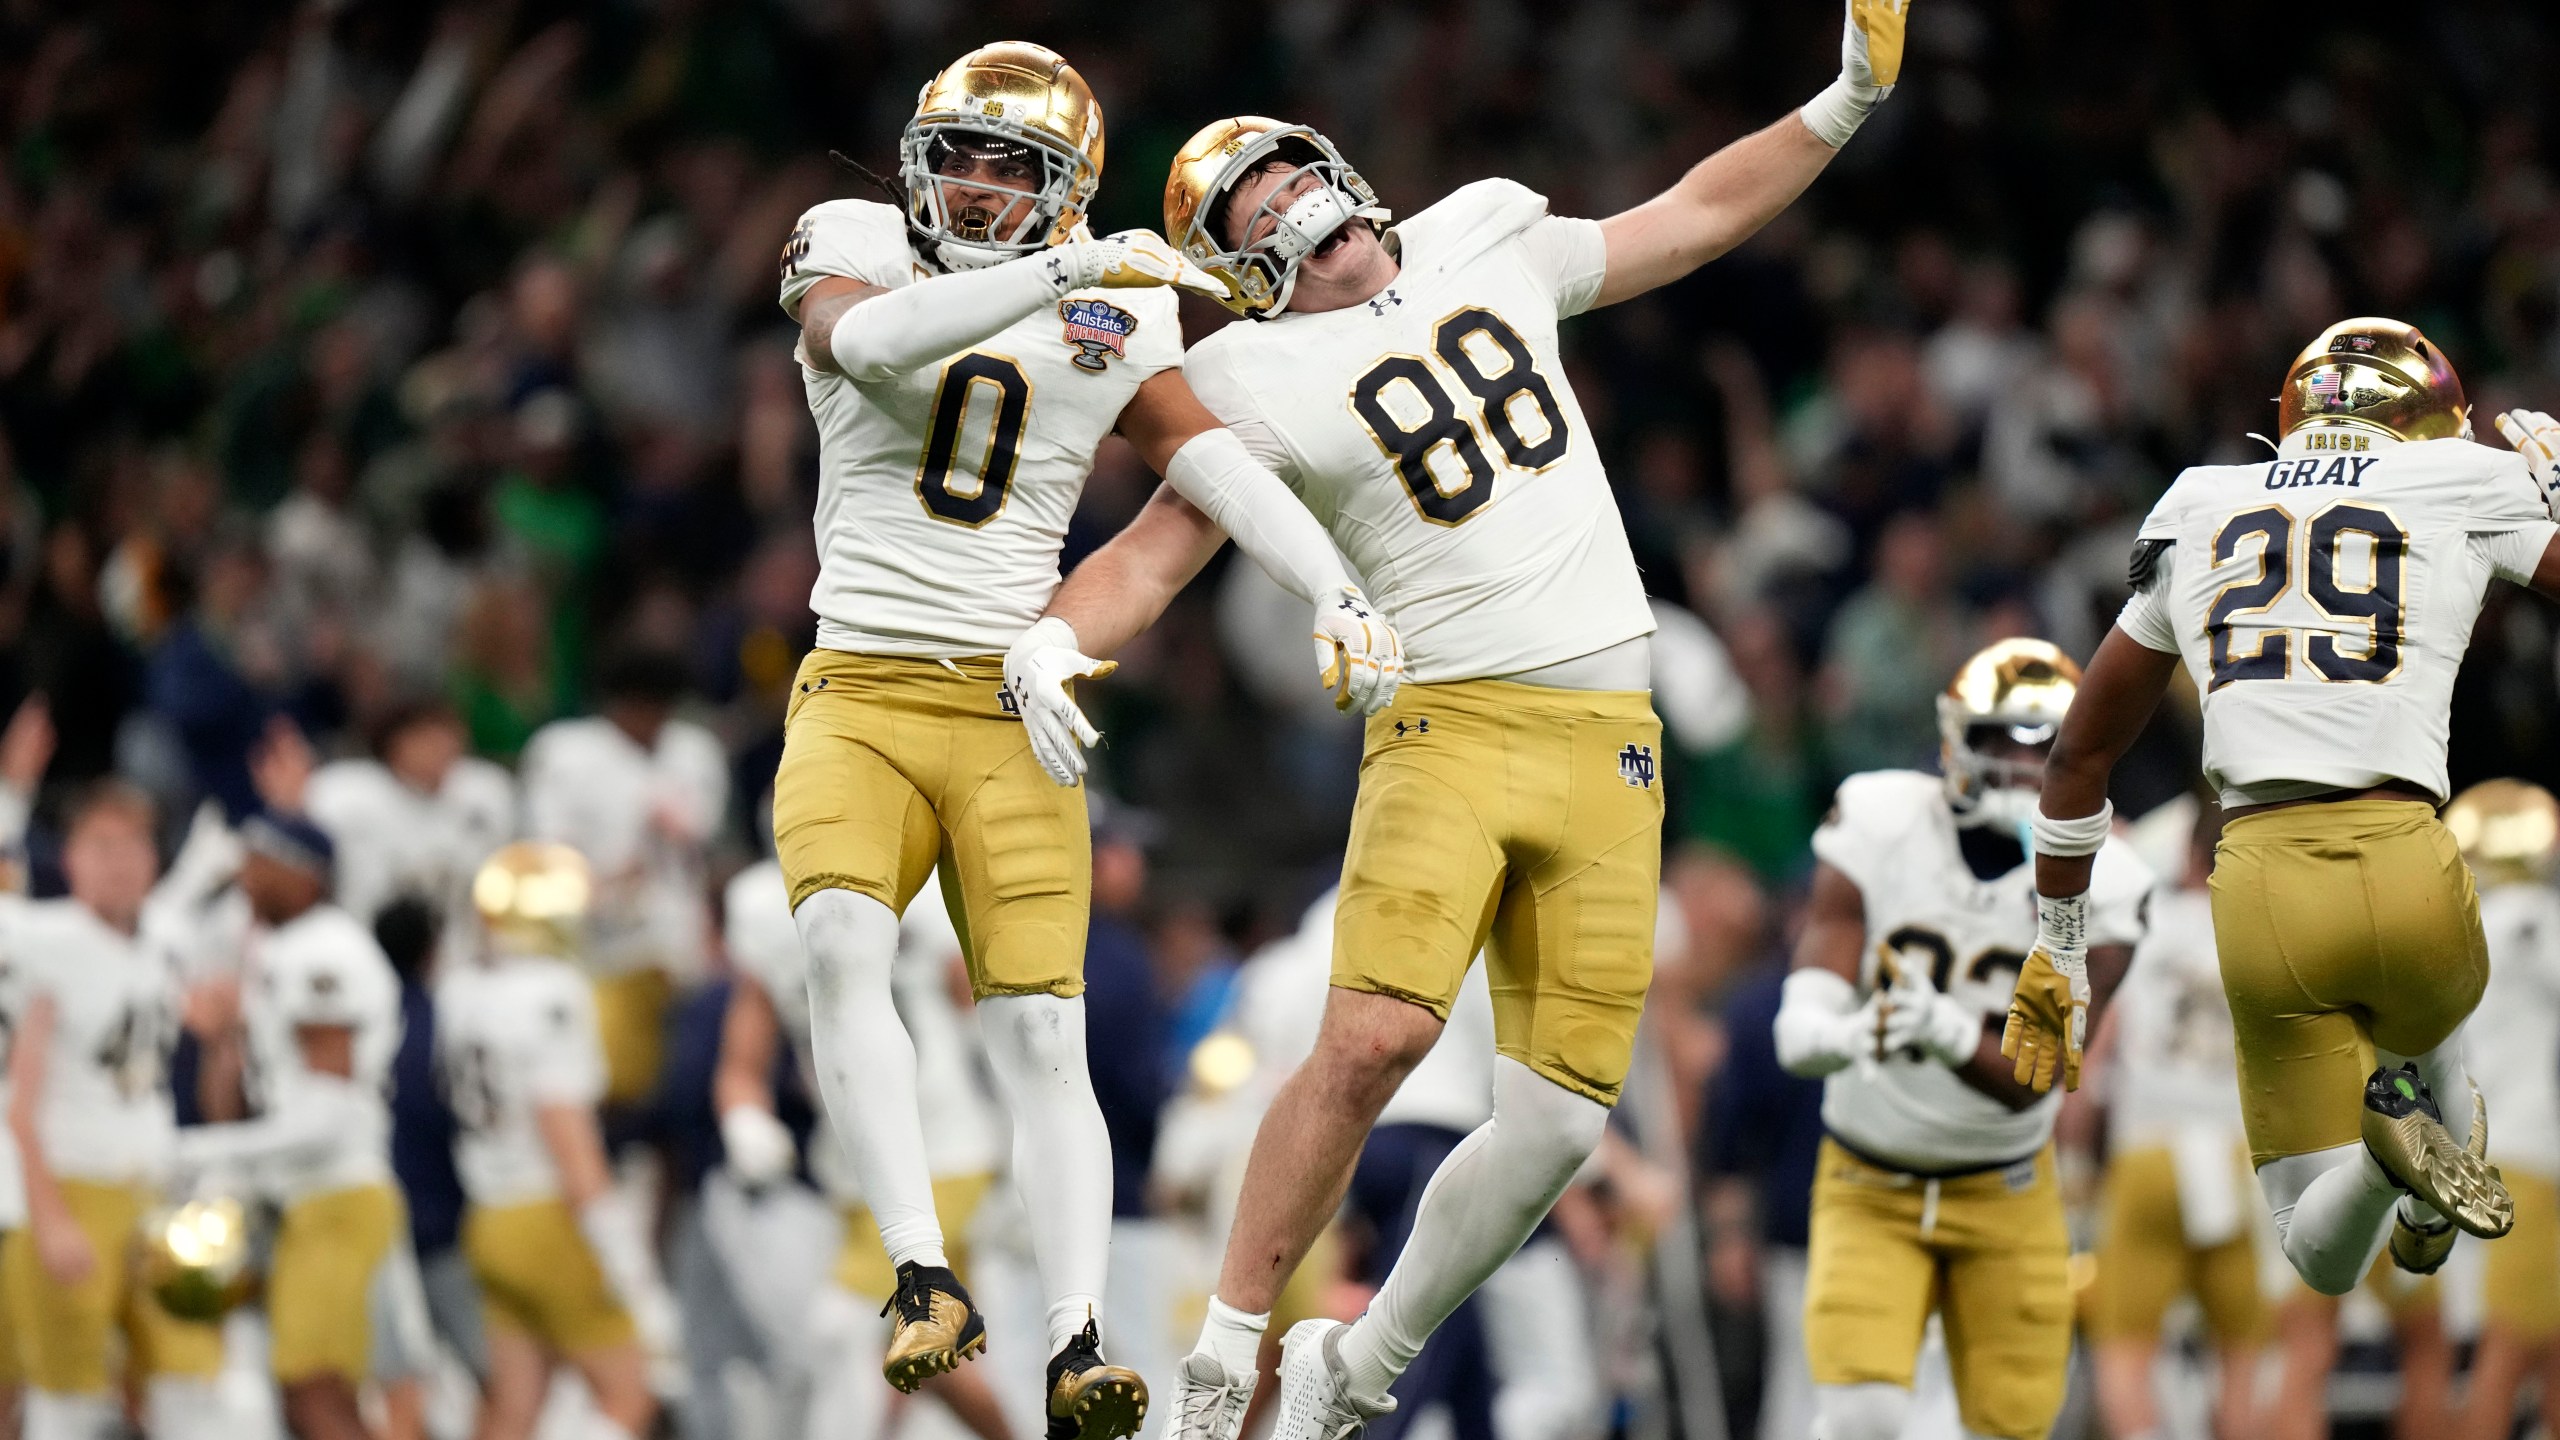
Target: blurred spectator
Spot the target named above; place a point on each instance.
(1892, 649)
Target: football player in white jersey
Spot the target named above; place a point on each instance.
(415, 818)
(640, 792)
(2509, 831)
(1936, 1188)
(566, 1275)
(315, 1009)
(769, 1011)
(2321, 601)
(96, 1005)
(964, 357)
(2176, 1220)
(1405, 380)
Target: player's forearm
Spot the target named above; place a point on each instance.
(1724, 200)
(1216, 474)
(1121, 588)
(570, 1137)
(872, 334)
(746, 1051)
(2121, 688)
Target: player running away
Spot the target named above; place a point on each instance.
(1405, 379)
(964, 355)
(2321, 600)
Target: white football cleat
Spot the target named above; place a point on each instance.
(1316, 1402)
(1209, 1400)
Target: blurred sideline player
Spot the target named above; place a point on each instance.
(2321, 601)
(639, 793)
(2307, 1326)
(26, 750)
(2509, 831)
(317, 1007)
(2175, 1216)
(1406, 379)
(414, 819)
(769, 1010)
(1936, 1188)
(964, 358)
(94, 1008)
(563, 1260)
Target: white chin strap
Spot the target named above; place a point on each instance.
(961, 255)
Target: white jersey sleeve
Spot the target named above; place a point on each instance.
(2513, 1039)
(944, 494)
(2322, 602)
(1433, 431)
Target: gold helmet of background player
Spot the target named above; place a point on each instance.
(2012, 694)
(532, 897)
(2375, 375)
(197, 1258)
(2508, 829)
(1260, 276)
(1010, 99)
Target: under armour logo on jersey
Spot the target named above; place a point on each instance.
(1421, 726)
(1635, 766)
(1389, 297)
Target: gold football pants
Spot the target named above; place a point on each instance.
(1525, 822)
(320, 1289)
(2145, 1261)
(539, 1278)
(65, 1333)
(1987, 1251)
(2342, 927)
(890, 765)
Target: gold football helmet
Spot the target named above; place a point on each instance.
(1010, 99)
(2375, 375)
(2508, 829)
(2012, 695)
(532, 898)
(198, 1259)
(1261, 272)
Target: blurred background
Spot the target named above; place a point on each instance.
(356, 353)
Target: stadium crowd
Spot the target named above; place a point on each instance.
(372, 371)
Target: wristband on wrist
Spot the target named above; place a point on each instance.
(2068, 839)
(1835, 114)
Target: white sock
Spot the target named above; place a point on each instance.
(867, 1067)
(52, 1415)
(1480, 1206)
(1872, 1411)
(2450, 1083)
(186, 1407)
(2333, 1213)
(1061, 1149)
(1234, 1336)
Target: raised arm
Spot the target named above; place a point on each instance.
(1727, 197)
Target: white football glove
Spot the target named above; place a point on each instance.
(1919, 1016)
(2536, 437)
(758, 1146)
(1358, 656)
(1036, 674)
(1128, 260)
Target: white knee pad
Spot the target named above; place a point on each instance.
(1859, 1412)
(851, 939)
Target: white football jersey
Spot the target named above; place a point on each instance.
(1894, 836)
(1433, 432)
(2322, 601)
(961, 1134)
(2176, 1064)
(512, 1035)
(944, 494)
(643, 818)
(322, 968)
(2513, 1040)
(105, 1114)
(395, 842)
(13, 1181)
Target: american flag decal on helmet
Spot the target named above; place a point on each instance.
(2326, 389)
(1097, 331)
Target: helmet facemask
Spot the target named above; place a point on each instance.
(1262, 248)
(973, 221)
(1995, 769)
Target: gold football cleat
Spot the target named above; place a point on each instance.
(2403, 1130)
(1090, 1398)
(933, 1327)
